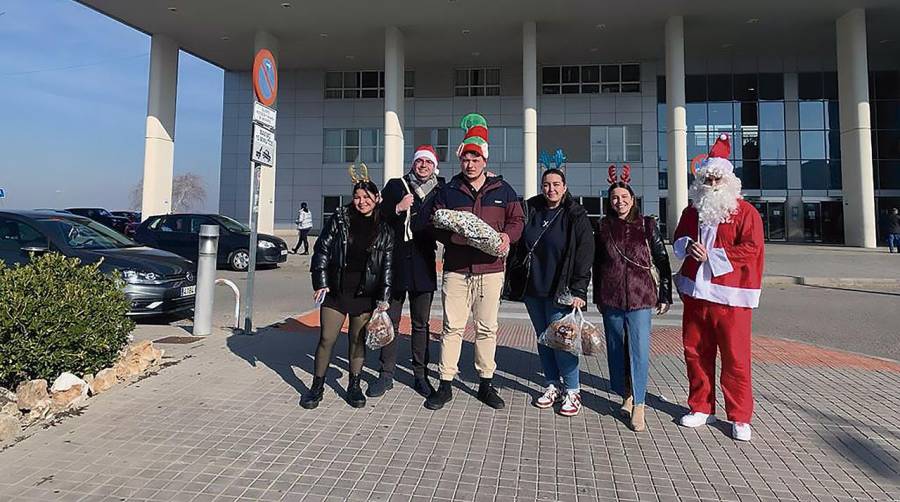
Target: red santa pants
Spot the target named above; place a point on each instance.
(709, 326)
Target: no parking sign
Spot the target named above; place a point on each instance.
(265, 77)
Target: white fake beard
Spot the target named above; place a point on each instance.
(716, 204)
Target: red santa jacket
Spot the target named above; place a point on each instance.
(733, 273)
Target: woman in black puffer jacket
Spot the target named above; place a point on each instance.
(351, 276)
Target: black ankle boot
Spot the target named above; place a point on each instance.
(423, 386)
(487, 394)
(355, 396)
(314, 395)
(441, 396)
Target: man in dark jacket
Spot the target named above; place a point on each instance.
(472, 279)
(892, 230)
(414, 273)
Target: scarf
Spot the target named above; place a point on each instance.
(422, 189)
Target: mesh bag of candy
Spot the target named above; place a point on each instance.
(473, 229)
(591, 339)
(379, 330)
(564, 333)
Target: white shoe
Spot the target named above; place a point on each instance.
(740, 431)
(549, 398)
(571, 404)
(696, 419)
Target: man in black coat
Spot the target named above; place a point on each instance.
(414, 272)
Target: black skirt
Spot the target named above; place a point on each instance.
(345, 301)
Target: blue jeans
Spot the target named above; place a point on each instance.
(557, 364)
(637, 325)
(893, 242)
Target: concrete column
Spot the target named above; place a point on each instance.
(265, 40)
(529, 106)
(856, 130)
(676, 123)
(159, 144)
(394, 73)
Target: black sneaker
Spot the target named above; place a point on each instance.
(384, 383)
(423, 386)
(441, 396)
(487, 394)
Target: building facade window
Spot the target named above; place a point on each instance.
(885, 112)
(362, 84)
(616, 143)
(352, 145)
(477, 82)
(591, 79)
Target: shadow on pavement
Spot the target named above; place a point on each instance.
(292, 344)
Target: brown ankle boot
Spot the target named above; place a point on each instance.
(637, 418)
(627, 406)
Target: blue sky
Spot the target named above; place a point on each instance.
(73, 104)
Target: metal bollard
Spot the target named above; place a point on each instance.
(206, 279)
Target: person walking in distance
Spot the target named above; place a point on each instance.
(414, 274)
(472, 279)
(892, 230)
(304, 225)
(720, 239)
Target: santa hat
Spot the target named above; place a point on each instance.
(426, 152)
(476, 139)
(717, 162)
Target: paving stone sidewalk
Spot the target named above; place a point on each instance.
(225, 425)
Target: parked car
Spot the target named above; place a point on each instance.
(180, 234)
(134, 220)
(156, 281)
(103, 216)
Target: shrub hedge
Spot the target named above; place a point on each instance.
(59, 315)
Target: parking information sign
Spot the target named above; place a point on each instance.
(264, 116)
(263, 146)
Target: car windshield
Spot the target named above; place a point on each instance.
(82, 233)
(232, 225)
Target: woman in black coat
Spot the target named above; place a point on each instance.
(351, 276)
(550, 270)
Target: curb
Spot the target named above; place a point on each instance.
(790, 280)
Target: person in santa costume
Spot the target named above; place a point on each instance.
(720, 239)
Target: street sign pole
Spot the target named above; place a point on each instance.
(262, 153)
(254, 237)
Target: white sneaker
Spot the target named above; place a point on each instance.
(571, 405)
(740, 431)
(696, 419)
(550, 397)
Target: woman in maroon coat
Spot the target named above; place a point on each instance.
(627, 247)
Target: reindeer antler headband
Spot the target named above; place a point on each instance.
(624, 178)
(363, 174)
(558, 160)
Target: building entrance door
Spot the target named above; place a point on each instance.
(812, 222)
(823, 222)
(773, 218)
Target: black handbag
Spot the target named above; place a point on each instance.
(518, 270)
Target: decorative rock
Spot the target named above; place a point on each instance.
(40, 412)
(136, 359)
(9, 427)
(68, 391)
(7, 395)
(32, 394)
(104, 380)
(10, 408)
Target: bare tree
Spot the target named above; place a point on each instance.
(188, 193)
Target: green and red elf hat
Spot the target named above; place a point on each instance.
(476, 139)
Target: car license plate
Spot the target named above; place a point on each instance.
(284, 252)
(188, 290)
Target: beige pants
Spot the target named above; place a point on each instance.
(480, 295)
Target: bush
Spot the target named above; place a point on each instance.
(58, 315)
